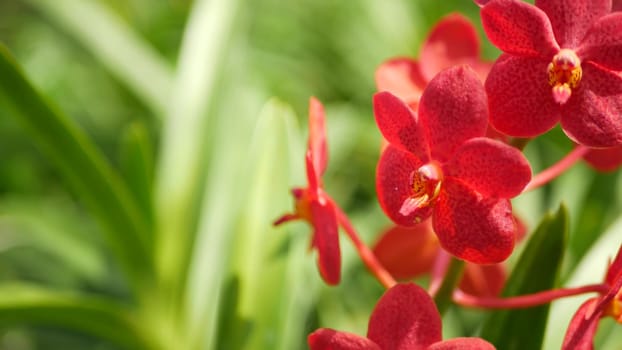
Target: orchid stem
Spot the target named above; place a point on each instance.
(443, 296)
(365, 253)
(557, 169)
(524, 301)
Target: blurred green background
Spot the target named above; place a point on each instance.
(200, 107)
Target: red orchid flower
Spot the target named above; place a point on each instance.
(405, 318)
(409, 252)
(313, 204)
(560, 64)
(604, 159)
(582, 328)
(439, 164)
(452, 41)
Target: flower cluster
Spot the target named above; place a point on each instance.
(454, 127)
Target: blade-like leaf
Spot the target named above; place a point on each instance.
(83, 166)
(537, 270)
(25, 304)
(129, 57)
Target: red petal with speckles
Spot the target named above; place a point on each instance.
(592, 115)
(472, 227)
(519, 28)
(453, 109)
(490, 167)
(572, 19)
(405, 318)
(520, 98)
(462, 344)
(394, 185)
(317, 136)
(453, 41)
(399, 125)
(402, 78)
(328, 339)
(603, 43)
(326, 241)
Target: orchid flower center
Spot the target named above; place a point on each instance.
(425, 185)
(564, 74)
(614, 308)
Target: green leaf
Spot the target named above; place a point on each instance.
(128, 56)
(537, 270)
(34, 305)
(83, 167)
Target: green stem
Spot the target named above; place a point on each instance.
(443, 297)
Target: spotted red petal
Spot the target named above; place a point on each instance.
(571, 19)
(453, 109)
(401, 77)
(326, 240)
(394, 185)
(582, 328)
(405, 318)
(604, 159)
(592, 115)
(451, 42)
(407, 252)
(462, 344)
(399, 125)
(328, 339)
(616, 5)
(519, 28)
(519, 98)
(317, 136)
(472, 227)
(603, 43)
(490, 167)
(483, 280)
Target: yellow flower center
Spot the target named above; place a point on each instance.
(564, 74)
(425, 187)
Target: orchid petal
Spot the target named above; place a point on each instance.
(519, 28)
(402, 78)
(582, 328)
(312, 174)
(483, 280)
(453, 41)
(571, 19)
(481, 3)
(329, 339)
(326, 240)
(462, 344)
(472, 227)
(399, 125)
(453, 109)
(603, 42)
(407, 252)
(490, 167)
(394, 185)
(616, 5)
(604, 159)
(317, 136)
(520, 98)
(405, 318)
(592, 116)
(615, 269)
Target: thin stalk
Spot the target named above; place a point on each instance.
(368, 257)
(557, 169)
(524, 301)
(443, 297)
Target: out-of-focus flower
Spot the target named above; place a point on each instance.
(584, 323)
(314, 205)
(560, 64)
(409, 252)
(604, 159)
(405, 318)
(452, 41)
(438, 163)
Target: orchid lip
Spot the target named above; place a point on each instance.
(425, 185)
(564, 74)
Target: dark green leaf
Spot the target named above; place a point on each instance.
(537, 270)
